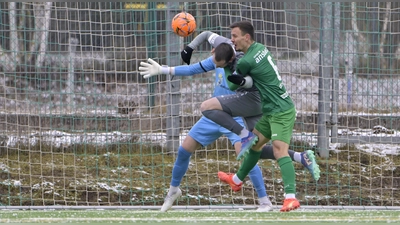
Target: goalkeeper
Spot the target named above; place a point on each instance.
(206, 131)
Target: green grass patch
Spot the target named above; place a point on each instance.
(199, 217)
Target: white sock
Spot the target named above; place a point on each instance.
(244, 133)
(264, 201)
(236, 180)
(173, 189)
(297, 157)
(290, 196)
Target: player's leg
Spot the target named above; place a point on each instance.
(248, 138)
(307, 158)
(212, 109)
(281, 125)
(255, 174)
(251, 121)
(250, 160)
(253, 155)
(243, 104)
(189, 145)
(256, 178)
(201, 134)
(221, 109)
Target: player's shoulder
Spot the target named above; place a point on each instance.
(245, 58)
(208, 61)
(256, 53)
(216, 40)
(256, 47)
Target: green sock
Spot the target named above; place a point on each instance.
(248, 163)
(288, 174)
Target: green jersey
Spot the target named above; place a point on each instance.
(258, 63)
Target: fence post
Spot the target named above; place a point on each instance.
(336, 71)
(173, 85)
(325, 77)
(151, 43)
(71, 73)
(350, 51)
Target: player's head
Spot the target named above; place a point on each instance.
(242, 35)
(223, 54)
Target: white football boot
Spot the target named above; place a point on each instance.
(170, 199)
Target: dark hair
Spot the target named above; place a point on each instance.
(223, 51)
(245, 26)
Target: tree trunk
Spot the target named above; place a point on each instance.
(42, 13)
(362, 46)
(44, 33)
(383, 37)
(14, 48)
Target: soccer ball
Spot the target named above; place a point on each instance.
(183, 24)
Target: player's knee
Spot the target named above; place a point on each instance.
(280, 148)
(190, 144)
(205, 106)
(210, 104)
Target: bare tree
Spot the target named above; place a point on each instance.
(14, 44)
(383, 32)
(360, 37)
(42, 12)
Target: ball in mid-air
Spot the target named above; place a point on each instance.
(183, 24)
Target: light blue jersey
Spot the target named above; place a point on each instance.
(205, 131)
(221, 85)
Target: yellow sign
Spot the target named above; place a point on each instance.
(143, 6)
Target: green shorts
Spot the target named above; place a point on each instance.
(278, 126)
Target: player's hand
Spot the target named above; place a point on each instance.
(237, 79)
(186, 54)
(150, 69)
(246, 82)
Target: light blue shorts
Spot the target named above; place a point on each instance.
(206, 131)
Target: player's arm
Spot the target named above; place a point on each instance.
(212, 38)
(152, 68)
(237, 78)
(234, 79)
(228, 72)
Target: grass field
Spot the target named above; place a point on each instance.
(198, 217)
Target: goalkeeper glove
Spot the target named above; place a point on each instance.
(152, 68)
(186, 54)
(246, 82)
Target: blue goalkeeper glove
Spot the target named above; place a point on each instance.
(186, 54)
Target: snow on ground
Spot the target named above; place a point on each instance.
(64, 139)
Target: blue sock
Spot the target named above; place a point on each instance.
(256, 178)
(180, 167)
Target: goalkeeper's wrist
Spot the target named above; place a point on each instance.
(167, 70)
(248, 83)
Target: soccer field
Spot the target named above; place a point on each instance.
(198, 217)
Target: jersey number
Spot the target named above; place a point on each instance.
(274, 67)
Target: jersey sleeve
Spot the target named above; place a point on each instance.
(216, 39)
(197, 68)
(200, 39)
